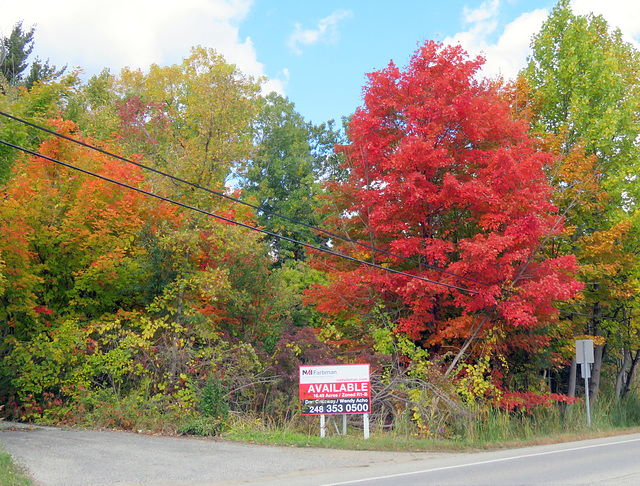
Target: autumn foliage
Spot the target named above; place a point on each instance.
(453, 191)
(470, 212)
(70, 238)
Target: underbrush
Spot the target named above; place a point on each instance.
(150, 375)
(485, 428)
(406, 415)
(607, 414)
(482, 428)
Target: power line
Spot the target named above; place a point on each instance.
(229, 220)
(591, 316)
(239, 201)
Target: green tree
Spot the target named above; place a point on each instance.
(285, 175)
(39, 102)
(584, 91)
(93, 107)
(193, 120)
(15, 50)
(42, 103)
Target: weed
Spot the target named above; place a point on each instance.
(202, 426)
(213, 401)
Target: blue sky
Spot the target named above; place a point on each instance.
(315, 52)
(325, 75)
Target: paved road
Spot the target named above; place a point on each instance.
(76, 457)
(69, 457)
(613, 461)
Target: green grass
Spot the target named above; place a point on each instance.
(10, 474)
(493, 429)
(389, 441)
(354, 440)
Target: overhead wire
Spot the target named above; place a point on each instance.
(232, 221)
(239, 201)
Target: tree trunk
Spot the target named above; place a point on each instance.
(572, 378)
(632, 368)
(598, 356)
(464, 348)
(621, 376)
(598, 353)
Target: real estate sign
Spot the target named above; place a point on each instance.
(335, 389)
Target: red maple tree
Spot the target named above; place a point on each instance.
(453, 188)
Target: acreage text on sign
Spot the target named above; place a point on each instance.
(335, 389)
(330, 406)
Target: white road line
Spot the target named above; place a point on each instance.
(479, 463)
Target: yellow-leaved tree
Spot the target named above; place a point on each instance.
(581, 93)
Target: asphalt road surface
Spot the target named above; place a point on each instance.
(72, 457)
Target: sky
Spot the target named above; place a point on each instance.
(317, 53)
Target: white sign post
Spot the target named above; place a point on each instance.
(336, 390)
(584, 357)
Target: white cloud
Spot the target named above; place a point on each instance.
(508, 54)
(279, 84)
(483, 17)
(134, 33)
(620, 14)
(326, 31)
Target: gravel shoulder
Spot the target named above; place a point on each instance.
(72, 457)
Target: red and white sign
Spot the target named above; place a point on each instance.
(335, 389)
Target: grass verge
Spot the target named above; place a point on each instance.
(10, 474)
(397, 443)
(486, 430)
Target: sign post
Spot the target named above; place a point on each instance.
(584, 356)
(335, 390)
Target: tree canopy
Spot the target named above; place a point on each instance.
(452, 190)
(285, 174)
(584, 93)
(467, 231)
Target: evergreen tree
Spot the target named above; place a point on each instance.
(14, 53)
